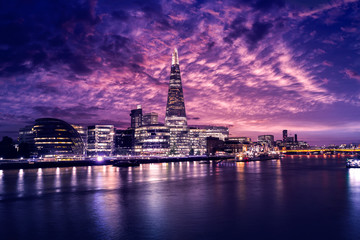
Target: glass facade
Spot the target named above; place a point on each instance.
(175, 117)
(150, 119)
(152, 140)
(198, 135)
(124, 141)
(82, 130)
(56, 138)
(136, 117)
(100, 140)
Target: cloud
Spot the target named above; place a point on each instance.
(244, 64)
(352, 74)
(349, 29)
(327, 63)
(323, 8)
(253, 34)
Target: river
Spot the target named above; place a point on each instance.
(297, 197)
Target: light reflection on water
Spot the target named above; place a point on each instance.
(312, 196)
(354, 190)
(39, 181)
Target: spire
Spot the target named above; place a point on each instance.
(175, 57)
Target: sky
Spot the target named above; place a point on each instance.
(257, 67)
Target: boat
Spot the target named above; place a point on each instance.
(204, 162)
(260, 157)
(353, 163)
(127, 164)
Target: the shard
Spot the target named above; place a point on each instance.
(175, 117)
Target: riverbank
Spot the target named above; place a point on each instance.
(53, 164)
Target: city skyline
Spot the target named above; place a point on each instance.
(258, 68)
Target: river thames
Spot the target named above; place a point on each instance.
(293, 198)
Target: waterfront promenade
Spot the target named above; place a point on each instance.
(30, 164)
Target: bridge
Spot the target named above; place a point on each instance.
(321, 151)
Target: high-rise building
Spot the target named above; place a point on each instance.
(150, 119)
(100, 140)
(175, 117)
(136, 117)
(285, 135)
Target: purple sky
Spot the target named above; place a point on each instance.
(257, 67)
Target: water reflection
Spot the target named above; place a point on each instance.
(39, 182)
(182, 200)
(20, 183)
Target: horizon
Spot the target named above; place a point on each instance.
(257, 68)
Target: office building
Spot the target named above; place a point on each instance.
(100, 140)
(150, 119)
(175, 117)
(54, 138)
(136, 117)
(124, 141)
(152, 140)
(245, 140)
(285, 135)
(82, 130)
(266, 139)
(198, 135)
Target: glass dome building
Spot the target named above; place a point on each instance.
(56, 138)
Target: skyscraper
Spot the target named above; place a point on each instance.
(136, 117)
(285, 135)
(175, 117)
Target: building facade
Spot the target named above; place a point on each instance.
(266, 139)
(82, 130)
(54, 138)
(175, 117)
(124, 141)
(136, 117)
(150, 119)
(152, 140)
(199, 134)
(100, 140)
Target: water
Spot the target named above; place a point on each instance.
(292, 198)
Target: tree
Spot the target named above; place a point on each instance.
(7, 148)
(24, 150)
(191, 152)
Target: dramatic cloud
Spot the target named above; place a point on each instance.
(255, 66)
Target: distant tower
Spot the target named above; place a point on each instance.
(285, 135)
(296, 138)
(175, 108)
(175, 117)
(136, 117)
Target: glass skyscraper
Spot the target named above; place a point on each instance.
(175, 117)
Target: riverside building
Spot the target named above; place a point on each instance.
(175, 117)
(198, 137)
(152, 140)
(100, 140)
(54, 138)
